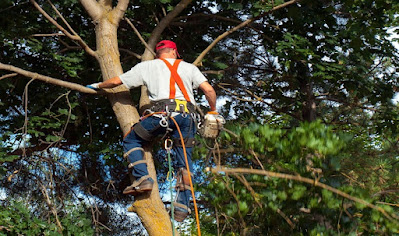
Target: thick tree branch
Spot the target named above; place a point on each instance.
(314, 182)
(130, 53)
(155, 36)
(63, 30)
(199, 18)
(243, 24)
(93, 8)
(156, 33)
(49, 80)
(120, 9)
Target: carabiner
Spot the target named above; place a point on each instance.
(163, 122)
(168, 144)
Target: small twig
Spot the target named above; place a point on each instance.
(385, 192)
(140, 37)
(72, 36)
(51, 206)
(218, 157)
(237, 201)
(243, 24)
(389, 204)
(217, 221)
(214, 72)
(8, 8)
(55, 161)
(8, 76)
(286, 218)
(237, 96)
(230, 132)
(254, 95)
(248, 186)
(130, 53)
(62, 18)
(339, 217)
(351, 178)
(48, 35)
(25, 127)
(257, 159)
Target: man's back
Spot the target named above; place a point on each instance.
(156, 76)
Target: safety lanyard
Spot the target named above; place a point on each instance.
(175, 78)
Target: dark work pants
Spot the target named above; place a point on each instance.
(132, 140)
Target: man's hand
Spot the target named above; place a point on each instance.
(93, 86)
(213, 113)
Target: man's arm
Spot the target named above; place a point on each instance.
(111, 83)
(210, 94)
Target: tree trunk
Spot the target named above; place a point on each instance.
(307, 96)
(150, 209)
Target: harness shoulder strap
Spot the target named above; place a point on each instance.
(175, 78)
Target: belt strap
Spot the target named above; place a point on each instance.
(173, 105)
(175, 78)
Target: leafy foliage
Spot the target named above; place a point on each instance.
(308, 92)
(17, 219)
(256, 204)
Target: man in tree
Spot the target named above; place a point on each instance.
(168, 100)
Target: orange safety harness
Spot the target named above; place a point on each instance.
(175, 79)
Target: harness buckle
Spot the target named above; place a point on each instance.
(181, 106)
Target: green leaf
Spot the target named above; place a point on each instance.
(298, 192)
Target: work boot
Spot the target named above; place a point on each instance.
(180, 211)
(139, 186)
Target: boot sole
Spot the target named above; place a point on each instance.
(180, 216)
(137, 192)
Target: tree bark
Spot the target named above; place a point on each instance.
(150, 209)
(306, 91)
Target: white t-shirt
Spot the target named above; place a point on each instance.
(156, 76)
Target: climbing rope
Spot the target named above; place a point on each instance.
(169, 177)
(189, 176)
(170, 168)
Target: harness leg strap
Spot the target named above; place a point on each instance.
(183, 180)
(176, 204)
(188, 142)
(142, 132)
(126, 155)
